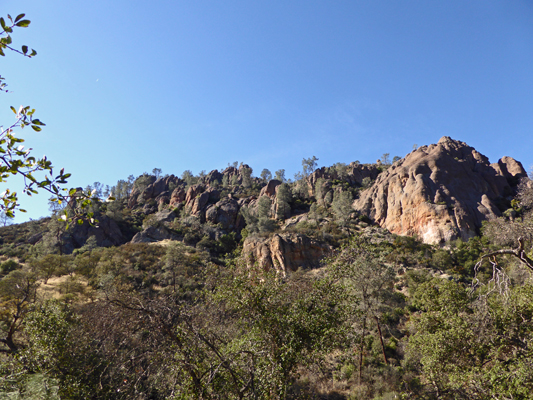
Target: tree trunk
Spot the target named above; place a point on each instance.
(361, 350)
(8, 341)
(381, 339)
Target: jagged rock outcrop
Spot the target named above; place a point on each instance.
(353, 173)
(510, 169)
(440, 192)
(159, 186)
(226, 213)
(230, 173)
(284, 252)
(106, 232)
(155, 188)
(198, 197)
(213, 178)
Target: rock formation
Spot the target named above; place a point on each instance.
(354, 174)
(155, 188)
(270, 188)
(106, 232)
(226, 213)
(284, 252)
(440, 192)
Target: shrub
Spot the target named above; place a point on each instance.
(8, 266)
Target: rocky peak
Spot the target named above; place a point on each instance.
(440, 192)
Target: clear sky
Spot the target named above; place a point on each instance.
(126, 86)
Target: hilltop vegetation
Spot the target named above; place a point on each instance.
(225, 285)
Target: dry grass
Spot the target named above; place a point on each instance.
(164, 242)
(60, 286)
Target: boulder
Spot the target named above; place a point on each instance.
(164, 216)
(270, 189)
(152, 234)
(293, 221)
(439, 192)
(226, 213)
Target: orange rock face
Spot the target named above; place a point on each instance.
(440, 192)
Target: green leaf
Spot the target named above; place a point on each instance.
(36, 128)
(23, 24)
(13, 109)
(24, 49)
(19, 17)
(3, 23)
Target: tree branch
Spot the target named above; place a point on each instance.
(519, 253)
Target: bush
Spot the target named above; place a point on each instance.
(8, 266)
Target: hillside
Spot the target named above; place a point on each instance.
(355, 281)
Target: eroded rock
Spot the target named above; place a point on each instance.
(284, 252)
(440, 192)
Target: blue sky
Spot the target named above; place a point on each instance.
(126, 86)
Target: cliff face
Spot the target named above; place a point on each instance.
(284, 252)
(440, 192)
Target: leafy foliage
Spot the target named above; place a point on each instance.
(15, 159)
(474, 347)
